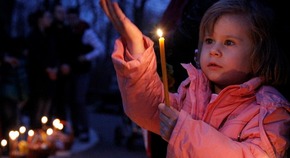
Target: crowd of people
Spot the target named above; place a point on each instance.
(47, 72)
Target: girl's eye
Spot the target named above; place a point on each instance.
(229, 43)
(208, 41)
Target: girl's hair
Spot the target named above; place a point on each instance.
(267, 60)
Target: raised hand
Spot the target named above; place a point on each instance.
(129, 32)
(168, 118)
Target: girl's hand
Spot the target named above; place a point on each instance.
(168, 118)
(129, 32)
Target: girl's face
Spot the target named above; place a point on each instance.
(225, 54)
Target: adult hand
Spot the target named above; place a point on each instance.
(129, 32)
(168, 118)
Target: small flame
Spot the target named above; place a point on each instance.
(13, 134)
(49, 131)
(44, 119)
(22, 129)
(159, 32)
(4, 142)
(31, 133)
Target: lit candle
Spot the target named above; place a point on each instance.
(13, 140)
(60, 126)
(49, 137)
(163, 66)
(22, 130)
(49, 131)
(30, 133)
(3, 146)
(44, 120)
(30, 136)
(56, 123)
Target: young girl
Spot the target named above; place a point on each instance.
(229, 107)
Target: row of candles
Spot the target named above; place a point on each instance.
(18, 140)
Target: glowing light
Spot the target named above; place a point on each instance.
(22, 129)
(55, 122)
(159, 32)
(31, 133)
(3, 142)
(13, 135)
(44, 119)
(49, 131)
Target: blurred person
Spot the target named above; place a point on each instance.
(13, 81)
(8, 106)
(60, 33)
(85, 46)
(41, 66)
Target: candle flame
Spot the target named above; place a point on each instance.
(31, 133)
(159, 32)
(55, 122)
(44, 119)
(22, 129)
(13, 134)
(49, 131)
(60, 126)
(3, 142)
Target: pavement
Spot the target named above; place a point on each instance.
(110, 136)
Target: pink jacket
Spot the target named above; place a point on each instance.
(244, 121)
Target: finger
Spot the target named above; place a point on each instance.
(104, 5)
(113, 10)
(168, 122)
(118, 16)
(118, 12)
(164, 119)
(167, 110)
(164, 131)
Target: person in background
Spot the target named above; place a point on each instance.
(85, 46)
(8, 106)
(60, 33)
(41, 66)
(229, 104)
